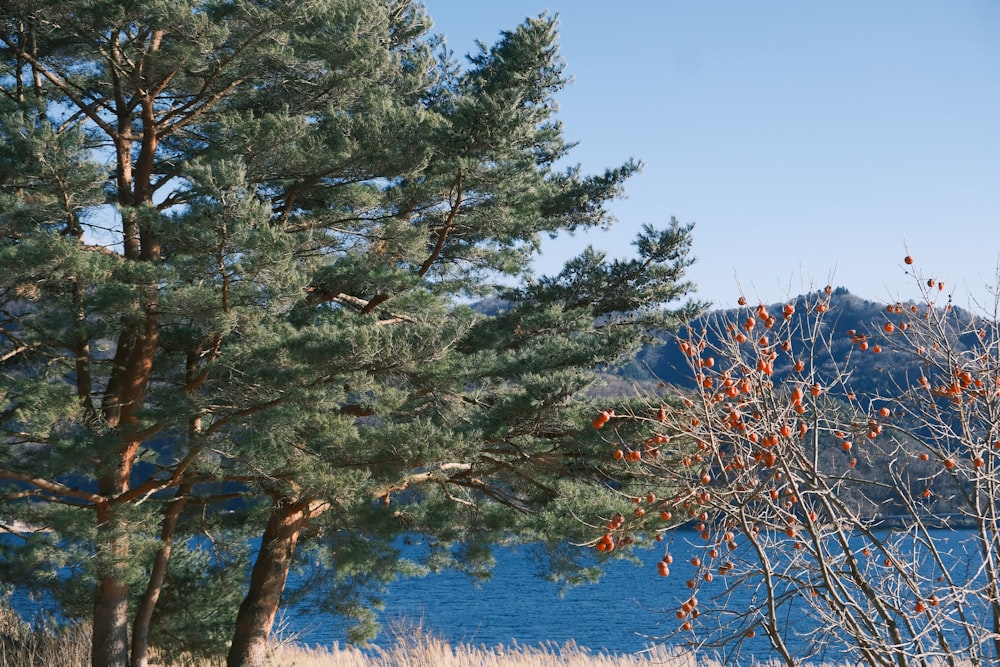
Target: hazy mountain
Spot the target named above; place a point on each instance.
(848, 317)
(873, 374)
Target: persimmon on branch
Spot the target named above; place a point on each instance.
(822, 498)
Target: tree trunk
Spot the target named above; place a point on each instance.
(267, 581)
(123, 397)
(144, 613)
(109, 647)
(109, 643)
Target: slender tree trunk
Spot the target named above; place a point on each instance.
(267, 581)
(144, 612)
(168, 533)
(123, 397)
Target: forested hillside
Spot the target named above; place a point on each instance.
(850, 316)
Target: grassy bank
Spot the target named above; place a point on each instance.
(70, 648)
(22, 646)
(432, 653)
(422, 654)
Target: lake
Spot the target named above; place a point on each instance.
(630, 609)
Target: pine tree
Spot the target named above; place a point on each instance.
(266, 312)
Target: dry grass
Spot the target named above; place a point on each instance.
(426, 651)
(429, 652)
(23, 646)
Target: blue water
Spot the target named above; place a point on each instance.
(630, 609)
(516, 606)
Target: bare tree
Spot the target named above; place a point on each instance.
(831, 503)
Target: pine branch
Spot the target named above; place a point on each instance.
(446, 228)
(55, 488)
(63, 87)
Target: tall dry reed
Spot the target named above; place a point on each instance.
(22, 645)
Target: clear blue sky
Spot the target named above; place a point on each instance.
(810, 142)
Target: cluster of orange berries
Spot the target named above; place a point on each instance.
(603, 418)
(897, 309)
(650, 444)
(786, 313)
(861, 340)
(607, 541)
(964, 386)
(690, 607)
(617, 522)
(908, 260)
(663, 567)
(723, 385)
(632, 455)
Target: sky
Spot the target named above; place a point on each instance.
(809, 142)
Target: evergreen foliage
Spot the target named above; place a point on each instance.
(240, 241)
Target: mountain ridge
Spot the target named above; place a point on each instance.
(849, 318)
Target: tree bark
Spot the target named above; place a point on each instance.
(109, 647)
(267, 581)
(109, 643)
(168, 533)
(144, 613)
(123, 398)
